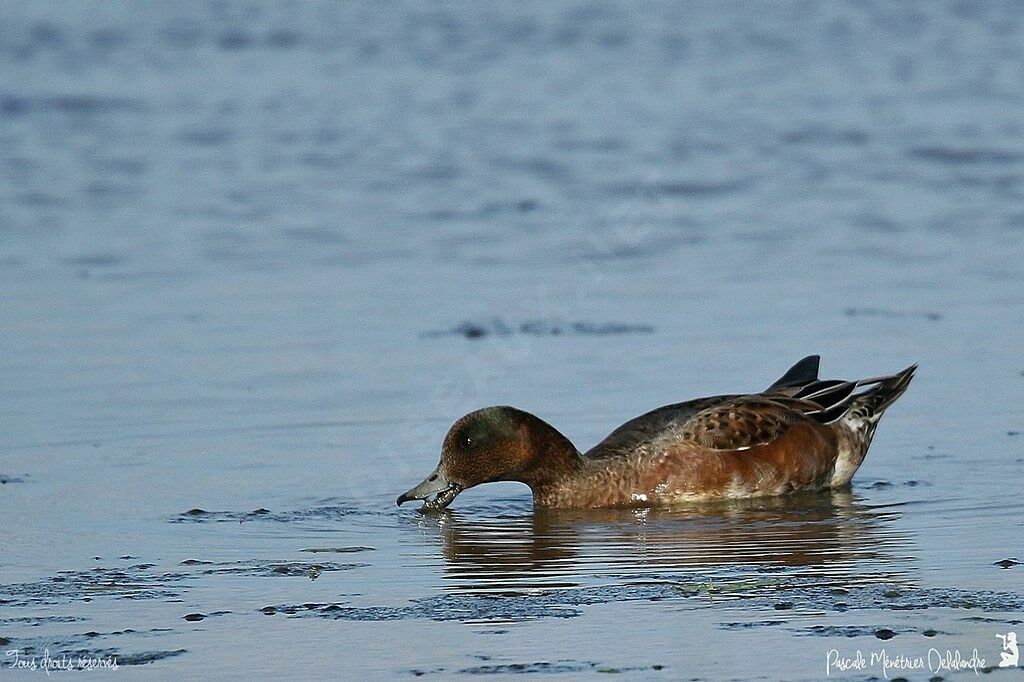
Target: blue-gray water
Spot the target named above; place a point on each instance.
(256, 257)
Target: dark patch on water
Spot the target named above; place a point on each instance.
(333, 512)
(877, 223)
(883, 485)
(499, 327)
(894, 314)
(931, 632)
(143, 658)
(416, 672)
(985, 619)
(12, 106)
(567, 603)
(434, 172)
(39, 199)
(195, 562)
(540, 167)
(283, 39)
(339, 550)
(747, 625)
(235, 39)
(206, 137)
(39, 620)
(552, 668)
(433, 609)
(529, 668)
(825, 136)
(487, 210)
(103, 190)
(5, 479)
(96, 260)
(106, 40)
(848, 631)
(86, 104)
(131, 167)
(884, 633)
(138, 276)
(196, 617)
(129, 583)
(77, 645)
(1007, 563)
(326, 161)
(80, 104)
(689, 189)
(263, 567)
(955, 155)
(599, 145)
(45, 34)
(539, 668)
(313, 235)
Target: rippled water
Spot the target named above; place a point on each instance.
(255, 258)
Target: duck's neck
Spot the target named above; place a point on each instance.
(555, 459)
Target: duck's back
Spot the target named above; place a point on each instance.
(651, 428)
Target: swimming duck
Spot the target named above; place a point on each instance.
(801, 433)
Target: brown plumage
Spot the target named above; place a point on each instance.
(801, 433)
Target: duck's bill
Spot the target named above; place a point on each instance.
(436, 491)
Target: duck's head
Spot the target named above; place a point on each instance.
(492, 444)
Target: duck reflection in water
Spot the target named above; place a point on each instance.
(832, 538)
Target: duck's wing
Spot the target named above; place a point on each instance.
(725, 422)
(736, 422)
(745, 422)
(651, 427)
(762, 417)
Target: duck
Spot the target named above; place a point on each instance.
(800, 434)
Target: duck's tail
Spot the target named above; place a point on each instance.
(856, 426)
(870, 404)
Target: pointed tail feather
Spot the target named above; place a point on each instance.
(872, 403)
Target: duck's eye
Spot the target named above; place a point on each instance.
(467, 442)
